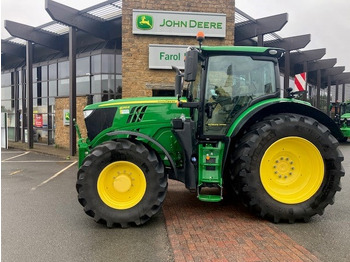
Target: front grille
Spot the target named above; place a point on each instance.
(99, 120)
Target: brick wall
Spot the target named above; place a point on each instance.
(62, 131)
(137, 78)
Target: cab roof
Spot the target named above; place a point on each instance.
(258, 50)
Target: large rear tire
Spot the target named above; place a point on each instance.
(121, 183)
(287, 168)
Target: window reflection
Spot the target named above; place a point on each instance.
(96, 64)
(107, 63)
(53, 88)
(96, 84)
(118, 64)
(6, 92)
(63, 87)
(63, 69)
(44, 73)
(83, 85)
(83, 66)
(6, 79)
(53, 71)
(44, 89)
(35, 75)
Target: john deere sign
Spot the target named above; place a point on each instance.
(150, 22)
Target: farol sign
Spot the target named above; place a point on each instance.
(152, 22)
(166, 56)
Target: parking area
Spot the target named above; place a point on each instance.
(43, 221)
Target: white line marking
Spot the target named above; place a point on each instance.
(10, 152)
(25, 153)
(16, 172)
(55, 175)
(40, 161)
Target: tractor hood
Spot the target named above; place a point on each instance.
(141, 113)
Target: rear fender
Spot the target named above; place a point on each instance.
(280, 106)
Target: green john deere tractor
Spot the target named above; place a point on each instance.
(342, 118)
(232, 131)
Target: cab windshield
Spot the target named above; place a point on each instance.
(231, 83)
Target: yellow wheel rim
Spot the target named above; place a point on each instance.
(121, 185)
(292, 170)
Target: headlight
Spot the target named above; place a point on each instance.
(87, 113)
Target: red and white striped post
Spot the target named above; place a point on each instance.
(300, 82)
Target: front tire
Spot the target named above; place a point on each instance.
(287, 168)
(121, 183)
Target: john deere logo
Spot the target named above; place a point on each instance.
(144, 22)
(67, 116)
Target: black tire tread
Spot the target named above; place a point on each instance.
(104, 154)
(245, 184)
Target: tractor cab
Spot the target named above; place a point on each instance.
(227, 82)
(222, 83)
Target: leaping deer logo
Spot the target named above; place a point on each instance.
(145, 22)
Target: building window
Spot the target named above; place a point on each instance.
(63, 70)
(98, 75)
(108, 63)
(96, 84)
(83, 85)
(44, 89)
(6, 92)
(6, 79)
(83, 66)
(44, 73)
(96, 64)
(20, 91)
(63, 87)
(53, 71)
(6, 106)
(53, 88)
(118, 64)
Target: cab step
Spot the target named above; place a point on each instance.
(209, 198)
(213, 192)
(210, 172)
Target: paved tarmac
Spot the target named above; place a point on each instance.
(42, 221)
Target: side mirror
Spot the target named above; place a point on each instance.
(191, 66)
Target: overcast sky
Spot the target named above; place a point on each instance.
(32, 12)
(327, 21)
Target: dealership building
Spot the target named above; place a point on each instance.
(126, 49)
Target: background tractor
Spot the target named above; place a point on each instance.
(342, 118)
(233, 130)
